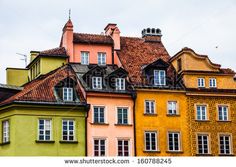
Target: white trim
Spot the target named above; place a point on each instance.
(179, 140)
(119, 86)
(97, 86)
(157, 72)
(105, 113)
(156, 139)
(106, 150)
(199, 80)
(102, 54)
(81, 57)
(150, 100)
(214, 84)
(68, 131)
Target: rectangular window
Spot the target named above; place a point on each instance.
(150, 141)
(212, 83)
(5, 131)
(174, 141)
(203, 144)
(122, 115)
(68, 94)
(201, 82)
(172, 107)
(99, 147)
(120, 84)
(68, 130)
(223, 113)
(179, 64)
(159, 77)
(201, 112)
(99, 114)
(97, 82)
(101, 58)
(123, 147)
(149, 106)
(225, 144)
(45, 129)
(85, 58)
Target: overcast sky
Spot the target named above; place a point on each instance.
(208, 27)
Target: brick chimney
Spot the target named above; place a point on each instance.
(151, 35)
(112, 30)
(67, 39)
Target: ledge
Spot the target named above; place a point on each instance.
(68, 142)
(152, 115)
(229, 121)
(175, 152)
(146, 151)
(123, 124)
(173, 115)
(202, 120)
(204, 155)
(5, 143)
(227, 155)
(104, 124)
(44, 141)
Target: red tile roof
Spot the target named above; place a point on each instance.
(135, 53)
(54, 52)
(92, 39)
(42, 88)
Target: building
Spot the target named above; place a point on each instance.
(46, 118)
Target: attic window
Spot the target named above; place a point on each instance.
(179, 64)
(159, 77)
(67, 94)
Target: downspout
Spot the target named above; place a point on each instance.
(87, 113)
(134, 96)
(112, 55)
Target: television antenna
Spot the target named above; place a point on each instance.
(24, 59)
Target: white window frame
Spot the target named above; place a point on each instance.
(150, 140)
(201, 82)
(212, 83)
(123, 153)
(202, 143)
(102, 58)
(99, 146)
(120, 83)
(67, 94)
(158, 78)
(173, 141)
(224, 117)
(84, 57)
(97, 82)
(150, 108)
(45, 128)
(5, 131)
(122, 108)
(171, 106)
(224, 144)
(99, 114)
(201, 113)
(68, 130)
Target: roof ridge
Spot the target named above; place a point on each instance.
(132, 37)
(91, 34)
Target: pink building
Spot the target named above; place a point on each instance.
(110, 125)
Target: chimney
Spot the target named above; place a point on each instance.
(67, 39)
(33, 55)
(151, 35)
(112, 30)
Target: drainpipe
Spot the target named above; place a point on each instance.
(112, 55)
(134, 96)
(87, 113)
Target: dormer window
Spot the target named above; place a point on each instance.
(101, 58)
(159, 77)
(67, 94)
(179, 64)
(120, 84)
(97, 82)
(201, 82)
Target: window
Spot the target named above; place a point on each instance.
(212, 83)
(172, 107)
(203, 144)
(45, 129)
(122, 115)
(67, 94)
(85, 58)
(97, 82)
(149, 107)
(179, 64)
(225, 144)
(5, 131)
(68, 130)
(99, 147)
(173, 141)
(151, 141)
(120, 84)
(101, 58)
(159, 77)
(201, 82)
(201, 112)
(123, 147)
(99, 114)
(223, 113)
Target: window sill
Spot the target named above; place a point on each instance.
(123, 124)
(152, 115)
(44, 141)
(68, 142)
(173, 115)
(226, 155)
(147, 151)
(5, 143)
(175, 152)
(224, 121)
(204, 155)
(103, 124)
(202, 120)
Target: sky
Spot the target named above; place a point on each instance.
(208, 27)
